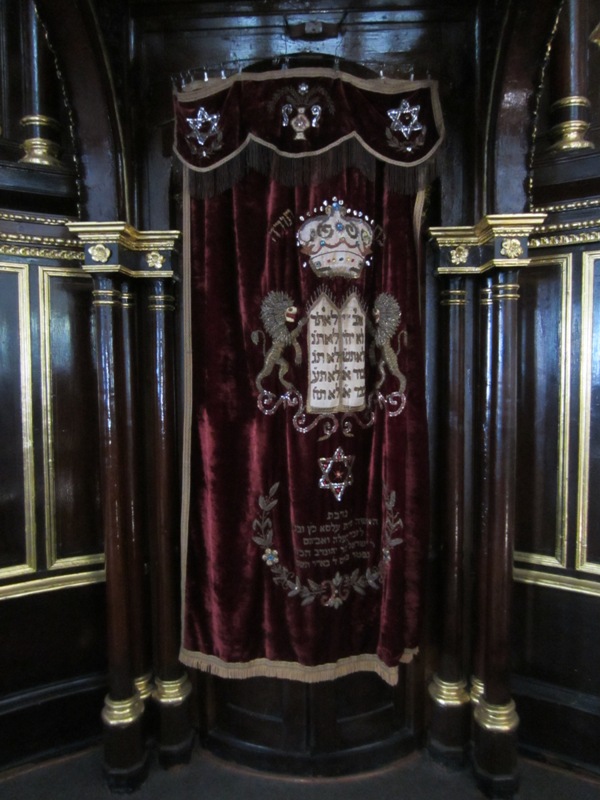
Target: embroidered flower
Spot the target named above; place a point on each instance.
(337, 592)
(270, 557)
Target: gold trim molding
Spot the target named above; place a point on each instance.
(498, 719)
(52, 583)
(550, 580)
(21, 272)
(172, 693)
(477, 690)
(125, 235)
(144, 685)
(445, 693)
(496, 241)
(559, 559)
(591, 261)
(122, 713)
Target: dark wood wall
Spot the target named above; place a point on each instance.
(112, 68)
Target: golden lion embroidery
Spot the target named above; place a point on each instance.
(386, 316)
(278, 312)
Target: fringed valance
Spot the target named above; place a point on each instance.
(301, 126)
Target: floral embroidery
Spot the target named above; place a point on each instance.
(334, 592)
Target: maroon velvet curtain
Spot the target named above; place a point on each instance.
(305, 461)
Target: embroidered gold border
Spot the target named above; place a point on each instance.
(46, 274)
(590, 262)
(565, 263)
(30, 565)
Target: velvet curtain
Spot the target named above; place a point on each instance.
(305, 461)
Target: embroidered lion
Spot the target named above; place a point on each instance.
(386, 315)
(278, 312)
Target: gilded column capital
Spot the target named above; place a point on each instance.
(117, 247)
(497, 241)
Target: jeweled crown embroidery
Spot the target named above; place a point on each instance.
(338, 242)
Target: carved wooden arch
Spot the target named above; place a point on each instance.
(521, 57)
(74, 33)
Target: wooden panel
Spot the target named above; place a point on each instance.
(588, 532)
(70, 421)
(17, 522)
(543, 412)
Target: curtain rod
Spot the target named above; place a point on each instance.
(225, 69)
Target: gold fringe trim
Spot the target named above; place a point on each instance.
(289, 670)
(309, 169)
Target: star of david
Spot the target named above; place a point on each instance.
(204, 125)
(336, 473)
(399, 118)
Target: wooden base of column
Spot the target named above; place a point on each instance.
(495, 749)
(125, 757)
(176, 736)
(450, 728)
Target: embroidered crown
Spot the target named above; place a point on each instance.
(337, 242)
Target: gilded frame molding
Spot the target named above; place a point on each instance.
(559, 560)
(30, 564)
(53, 562)
(590, 261)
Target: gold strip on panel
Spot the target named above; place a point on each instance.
(52, 583)
(559, 559)
(585, 412)
(30, 565)
(551, 580)
(53, 562)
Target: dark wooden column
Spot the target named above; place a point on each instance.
(124, 753)
(137, 546)
(450, 724)
(121, 260)
(173, 688)
(496, 720)
(482, 465)
(41, 129)
(570, 111)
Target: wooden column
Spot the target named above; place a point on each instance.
(496, 720)
(482, 466)
(570, 111)
(124, 753)
(136, 541)
(450, 724)
(173, 688)
(121, 260)
(41, 129)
